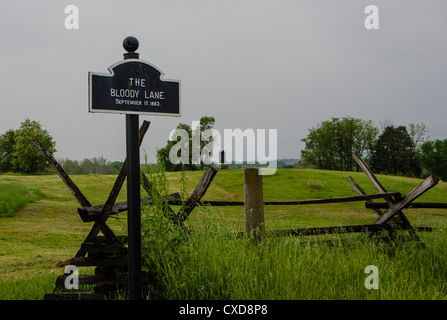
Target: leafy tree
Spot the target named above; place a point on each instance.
(433, 156)
(70, 166)
(395, 153)
(6, 150)
(419, 135)
(331, 144)
(16, 152)
(87, 165)
(116, 166)
(101, 165)
(163, 153)
(206, 123)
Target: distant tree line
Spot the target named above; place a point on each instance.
(17, 154)
(96, 165)
(396, 150)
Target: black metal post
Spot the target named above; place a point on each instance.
(133, 189)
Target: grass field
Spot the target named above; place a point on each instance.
(214, 266)
(15, 196)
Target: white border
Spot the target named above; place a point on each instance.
(111, 74)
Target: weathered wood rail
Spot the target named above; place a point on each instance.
(389, 220)
(91, 213)
(414, 205)
(336, 229)
(295, 202)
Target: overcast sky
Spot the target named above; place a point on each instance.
(285, 65)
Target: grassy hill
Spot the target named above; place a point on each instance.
(49, 230)
(14, 196)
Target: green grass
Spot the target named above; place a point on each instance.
(46, 231)
(26, 289)
(310, 184)
(14, 196)
(210, 264)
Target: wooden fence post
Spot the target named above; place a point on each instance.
(254, 205)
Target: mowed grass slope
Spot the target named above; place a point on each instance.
(14, 196)
(48, 230)
(44, 232)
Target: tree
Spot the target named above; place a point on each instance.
(419, 135)
(331, 144)
(26, 159)
(70, 166)
(100, 165)
(184, 145)
(6, 150)
(163, 153)
(116, 166)
(16, 152)
(95, 165)
(206, 123)
(433, 156)
(395, 153)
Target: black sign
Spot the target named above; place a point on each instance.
(134, 86)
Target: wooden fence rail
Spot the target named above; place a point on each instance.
(414, 205)
(295, 202)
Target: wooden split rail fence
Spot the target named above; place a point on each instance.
(108, 253)
(254, 210)
(390, 220)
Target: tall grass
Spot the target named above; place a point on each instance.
(209, 262)
(14, 196)
(160, 234)
(26, 289)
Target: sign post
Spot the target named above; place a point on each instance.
(133, 87)
(133, 189)
(133, 205)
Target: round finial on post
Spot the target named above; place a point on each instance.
(130, 44)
